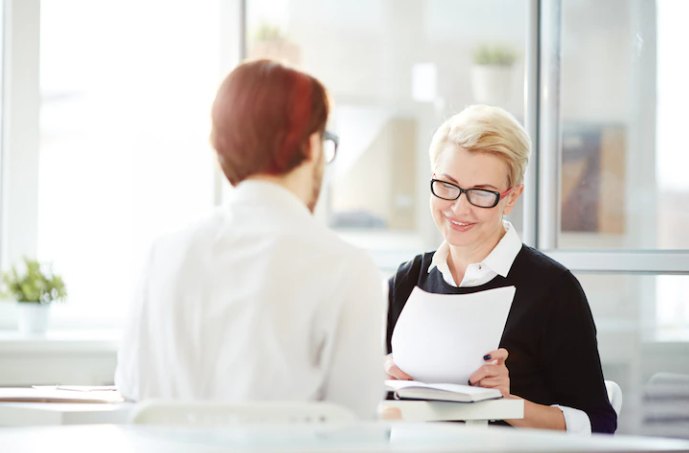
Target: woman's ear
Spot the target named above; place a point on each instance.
(512, 198)
(314, 146)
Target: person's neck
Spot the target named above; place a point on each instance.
(296, 181)
(460, 258)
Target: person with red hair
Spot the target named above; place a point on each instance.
(258, 301)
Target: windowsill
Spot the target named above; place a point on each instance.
(61, 341)
(65, 318)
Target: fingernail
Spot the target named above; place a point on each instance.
(469, 382)
(410, 379)
(486, 357)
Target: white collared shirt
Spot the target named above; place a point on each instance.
(256, 302)
(499, 262)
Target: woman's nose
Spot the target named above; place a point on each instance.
(461, 204)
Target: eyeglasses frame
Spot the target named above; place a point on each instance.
(498, 196)
(327, 135)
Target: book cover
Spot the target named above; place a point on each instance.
(441, 392)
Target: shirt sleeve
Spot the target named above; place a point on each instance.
(576, 421)
(570, 355)
(356, 375)
(128, 356)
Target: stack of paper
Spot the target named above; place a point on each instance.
(442, 338)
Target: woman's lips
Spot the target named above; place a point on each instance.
(460, 225)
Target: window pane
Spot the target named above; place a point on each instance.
(396, 70)
(2, 69)
(643, 338)
(124, 124)
(624, 154)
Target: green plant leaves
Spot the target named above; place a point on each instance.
(37, 284)
(495, 54)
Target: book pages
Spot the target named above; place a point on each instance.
(442, 338)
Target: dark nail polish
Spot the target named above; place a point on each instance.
(469, 381)
(486, 357)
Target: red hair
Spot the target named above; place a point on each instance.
(262, 118)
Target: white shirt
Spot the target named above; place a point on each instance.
(499, 262)
(256, 302)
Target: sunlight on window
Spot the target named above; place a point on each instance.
(124, 136)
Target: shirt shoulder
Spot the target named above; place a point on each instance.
(548, 281)
(200, 229)
(409, 274)
(542, 280)
(414, 267)
(534, 264)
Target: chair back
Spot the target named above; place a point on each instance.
(665, 407)
(204, 413)
(614, 395)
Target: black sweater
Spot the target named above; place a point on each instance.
(550, 334)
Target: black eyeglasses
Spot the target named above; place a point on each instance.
(330, 143)
(481, 198)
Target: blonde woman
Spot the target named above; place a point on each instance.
(548, 353)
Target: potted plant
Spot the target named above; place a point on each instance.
(34, 287)
(268, 41)
(491, 75)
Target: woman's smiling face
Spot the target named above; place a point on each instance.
(461, 223)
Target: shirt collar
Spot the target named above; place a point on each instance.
(503, 255)
(440, 257)
(500, 259)
(263, 192)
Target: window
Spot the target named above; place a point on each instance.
(613, 197)
(396, 71)
(639, 339)
(124, 121)
(623, 183)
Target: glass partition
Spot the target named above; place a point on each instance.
(395, 70)
(643, 339)
(623, 95)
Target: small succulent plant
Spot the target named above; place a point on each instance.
(494, 54)
(33, 283)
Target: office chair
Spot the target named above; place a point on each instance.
(614, 395)
(665, 408)
(204, 413)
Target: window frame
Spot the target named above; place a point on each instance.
(548, 163)
(20, 147)
(19, 154)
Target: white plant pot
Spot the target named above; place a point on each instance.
(33, 317)
(491, 84)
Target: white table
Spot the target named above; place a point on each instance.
(42, 414)
(473, 413)
(352, 438)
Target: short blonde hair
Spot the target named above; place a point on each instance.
(490, 130)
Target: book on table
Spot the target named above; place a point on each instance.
(458, 393)
(54, 394)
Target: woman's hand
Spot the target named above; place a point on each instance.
(493, 374)
(393, 372)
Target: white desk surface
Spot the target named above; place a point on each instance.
(42, 414)
(352, 438)
(428, 411)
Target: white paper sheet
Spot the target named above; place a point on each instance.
(442, 338)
